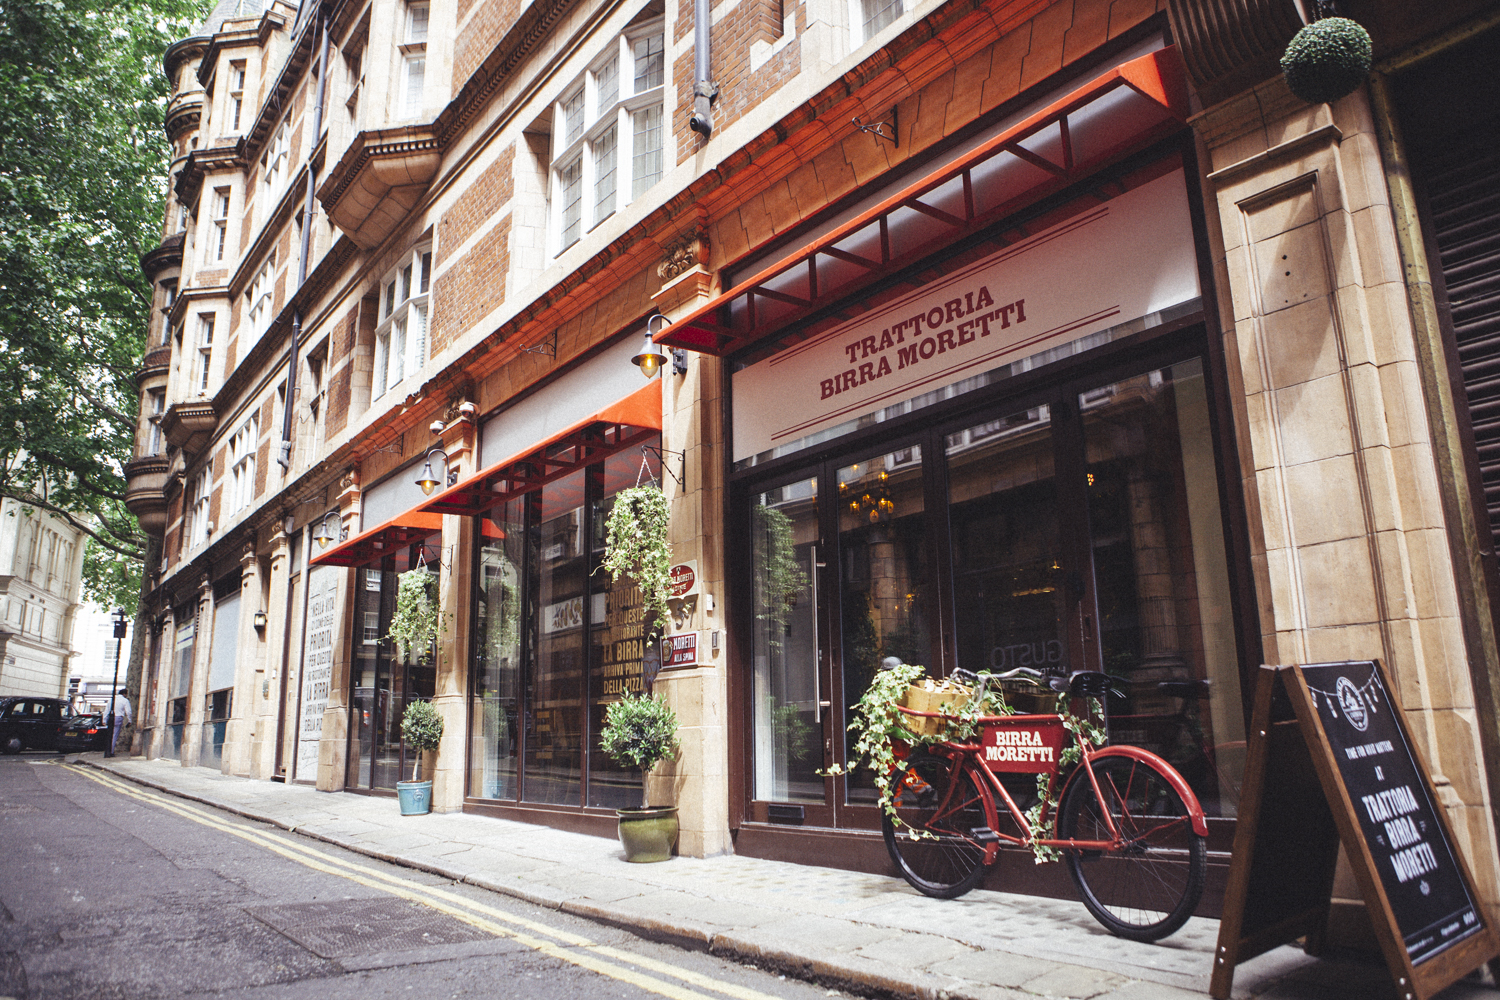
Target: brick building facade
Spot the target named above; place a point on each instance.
(1017, 332)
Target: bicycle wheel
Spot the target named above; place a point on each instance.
(936, 849)
(1148, 888)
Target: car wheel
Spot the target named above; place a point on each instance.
(13, 745)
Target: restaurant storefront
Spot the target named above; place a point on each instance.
(1007, 448)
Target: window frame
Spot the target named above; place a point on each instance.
(242, 447)
(583, 145)
(413, 49)
(205, 350)
(200, 487)
(404, 298)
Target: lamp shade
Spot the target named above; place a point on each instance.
(651, 357)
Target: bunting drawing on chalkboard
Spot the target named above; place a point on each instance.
(1358, 703)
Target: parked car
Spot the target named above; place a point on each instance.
(32, 723)
(83, 732)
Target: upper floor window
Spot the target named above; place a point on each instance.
(198, 511)
(205, 352)
(414, 59)
(401, 338)
(873, 15)
(258, 297)
(219, 236)
(273, 161)
(168, 294)
(157, 401)
(236, 94)
(242, 464)
(609, 138)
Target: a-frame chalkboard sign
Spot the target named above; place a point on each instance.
(1330, 760)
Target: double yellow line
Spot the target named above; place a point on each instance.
(562, 945)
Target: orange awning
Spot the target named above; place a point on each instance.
(392, 536)
(618, 426)
(1111, 116)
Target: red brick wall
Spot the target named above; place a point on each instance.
(740, 90)
(339, 386)
(471, 288)
(262, 460)
(213, 507)
(485, 197)
(231, 350)
(480, 35)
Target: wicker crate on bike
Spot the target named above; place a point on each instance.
(919, 699)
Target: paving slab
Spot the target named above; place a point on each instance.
(854, 930)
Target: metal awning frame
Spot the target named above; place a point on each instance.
(573, 451)
(1157, 77)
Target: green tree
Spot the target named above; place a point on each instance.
(83, 166)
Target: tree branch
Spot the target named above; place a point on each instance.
(34, 501)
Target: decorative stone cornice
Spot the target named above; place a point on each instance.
(379, 180)
(167, 254)
(145, 492)
(201, 162)
(1231, 45)
(188, 425)
(184, 113)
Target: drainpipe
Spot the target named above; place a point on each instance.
(284, 454)
(703, 89)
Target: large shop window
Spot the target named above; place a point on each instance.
(558, 642)
(383, 677)
(1082, 530)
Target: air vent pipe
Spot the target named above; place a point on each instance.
(704, 91)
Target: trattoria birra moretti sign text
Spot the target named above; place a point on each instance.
(1126, 258)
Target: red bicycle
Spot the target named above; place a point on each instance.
(1127, 824)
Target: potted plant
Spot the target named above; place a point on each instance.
(415, 623)
(1327, 59)
(421, 730)
(636, 545)
(639, 732)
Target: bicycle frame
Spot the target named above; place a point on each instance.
(971, 757)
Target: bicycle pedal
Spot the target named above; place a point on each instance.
(984, 835)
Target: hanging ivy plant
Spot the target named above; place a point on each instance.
(781, 578)
(635, 545)
(414, 625)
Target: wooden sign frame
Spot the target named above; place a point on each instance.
(1296, 809)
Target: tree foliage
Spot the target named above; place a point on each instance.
(83, 166)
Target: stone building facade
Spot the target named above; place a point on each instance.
(41, 585)
(1050, 333)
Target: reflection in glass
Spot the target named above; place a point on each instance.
(788, 737)
(1009, 586)
(554, 736)
(1160, 572)
(619, 632)
(370, 661)
(495, 725)
(883, 572)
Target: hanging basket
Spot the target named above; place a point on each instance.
(1327, 59)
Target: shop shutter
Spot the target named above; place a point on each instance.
(1463, 192)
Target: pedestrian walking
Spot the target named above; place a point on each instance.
(120, 705)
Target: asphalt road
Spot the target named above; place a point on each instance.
(109, 890)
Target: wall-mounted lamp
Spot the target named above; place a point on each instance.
(428, 480)
(652, 358)
(324, 534)
(259, 621)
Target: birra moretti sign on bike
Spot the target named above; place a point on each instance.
(1023, 748)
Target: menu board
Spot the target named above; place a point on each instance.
(1423, 884)
(1330, 763)
(317, 667)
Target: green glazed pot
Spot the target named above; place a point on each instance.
(648, 834)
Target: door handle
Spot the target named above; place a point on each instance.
(818, 703)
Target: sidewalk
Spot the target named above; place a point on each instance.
(866, 933)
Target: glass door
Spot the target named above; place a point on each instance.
(789, 690)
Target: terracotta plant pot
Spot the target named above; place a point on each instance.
(415, 796)
(648, 834)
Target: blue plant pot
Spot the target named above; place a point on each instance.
(415, 796)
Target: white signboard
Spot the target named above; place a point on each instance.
(317, 666)
(1127, 258)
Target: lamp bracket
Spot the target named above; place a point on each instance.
(546, 346)
(889, 131)
(661, 456)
